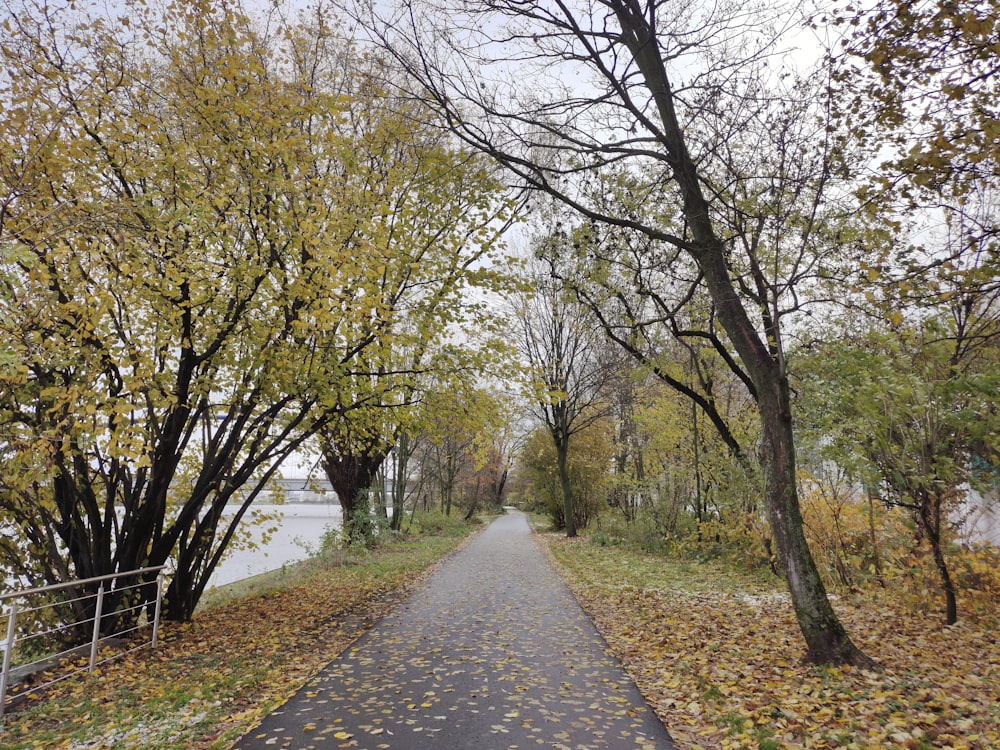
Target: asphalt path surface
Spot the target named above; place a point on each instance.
(491, 652)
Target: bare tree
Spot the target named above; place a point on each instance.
(567, 374)
(563, 93)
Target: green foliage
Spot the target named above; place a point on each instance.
(691, 497)
(901, 412)
(366, 527)
(912, 414)
(437, 523)
(159, 315)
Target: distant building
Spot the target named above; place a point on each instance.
(980, 518)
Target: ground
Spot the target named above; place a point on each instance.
(717, 654)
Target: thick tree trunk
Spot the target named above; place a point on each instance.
(351, 476)
(826, 640)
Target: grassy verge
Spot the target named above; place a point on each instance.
(718, 656)
(249, 648)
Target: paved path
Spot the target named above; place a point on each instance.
(491, 652)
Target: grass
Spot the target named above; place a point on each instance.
(250, 646)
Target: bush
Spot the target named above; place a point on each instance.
(852, 539)
(741, 538)
(977, 573)
(366, 528)
(436, 522)
(646, 534)
(975, 570)
(601, 539)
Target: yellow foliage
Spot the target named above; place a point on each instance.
(975, 570)
(850, 537)
(858, 543)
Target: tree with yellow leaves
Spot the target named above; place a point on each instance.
(189, 290)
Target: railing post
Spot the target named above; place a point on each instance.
(156, 615)
(11, 599)
(7, 654)
(97, 626)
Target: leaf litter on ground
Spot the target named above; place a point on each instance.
(718, 655)
(211, 680)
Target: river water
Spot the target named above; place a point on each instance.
(299, 530)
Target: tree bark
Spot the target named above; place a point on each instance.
(874, 539)
(930, 519)
(562, 462)
(404, 450)
(351, 476)
(826, 639)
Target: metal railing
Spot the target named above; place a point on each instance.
(135, 614)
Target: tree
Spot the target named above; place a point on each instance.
(920, 427)
(589, 473)
(634, 112)
(691, 472)
(569, 367)
(931, 77)
(428, 218)
(625, 392)
(454, 436)
(911, 410)
(143, 263)
(930, 114)
(929, 118)
(182, 278)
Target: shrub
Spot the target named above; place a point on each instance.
(436, 522)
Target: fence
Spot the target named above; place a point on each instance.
(135, 614)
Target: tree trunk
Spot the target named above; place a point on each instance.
(351, 476)
(498, 487)
(826, 640)
(930, 519)
(474, 505)
(404, 451)
(874, 539)
(562, 461)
